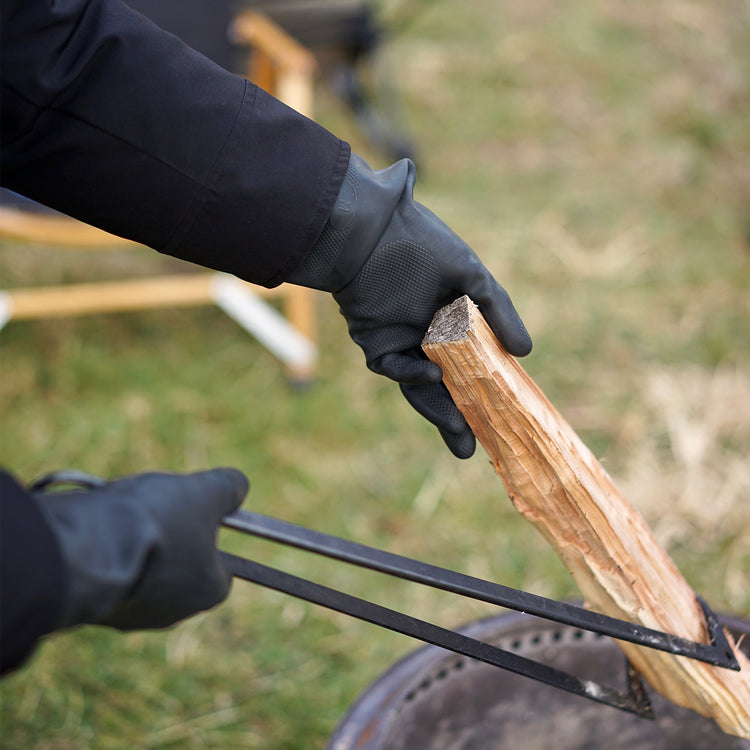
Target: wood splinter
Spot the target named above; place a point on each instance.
(558, 485)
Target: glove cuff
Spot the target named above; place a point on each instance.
(363, 210)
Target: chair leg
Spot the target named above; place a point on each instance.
(283, 336)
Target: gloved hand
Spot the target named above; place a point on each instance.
(141, 552)
(391, 264)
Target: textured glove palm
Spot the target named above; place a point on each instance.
(391, 264)
(141, 552)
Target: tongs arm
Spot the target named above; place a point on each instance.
(635, 700)
(718, 653)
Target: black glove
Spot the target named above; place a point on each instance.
(141, 552)
(391, 265)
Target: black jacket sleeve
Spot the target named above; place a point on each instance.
(111, 120)
(31, 575)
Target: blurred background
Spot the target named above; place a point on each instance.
(596, 155)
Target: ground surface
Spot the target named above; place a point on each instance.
(597, 156)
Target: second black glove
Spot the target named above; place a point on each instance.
(391, 265)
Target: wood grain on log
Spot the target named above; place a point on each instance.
(559, 486)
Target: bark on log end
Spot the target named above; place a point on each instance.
(451, 323)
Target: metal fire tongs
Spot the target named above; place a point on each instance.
(634, 700)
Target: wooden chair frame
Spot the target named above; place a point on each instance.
(285, 69)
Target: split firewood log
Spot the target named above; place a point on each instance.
(558, 485)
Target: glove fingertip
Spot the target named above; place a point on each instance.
(507, 325)
(461, 444)
(431, 373)
(502, 317)
(239, 479)
(235, 486)
(519, 343)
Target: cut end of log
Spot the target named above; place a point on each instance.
(451, 323)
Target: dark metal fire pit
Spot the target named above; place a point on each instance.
(434, 700)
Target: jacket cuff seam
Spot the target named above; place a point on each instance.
(318, 221)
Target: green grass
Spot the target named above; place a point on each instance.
(597, 156)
